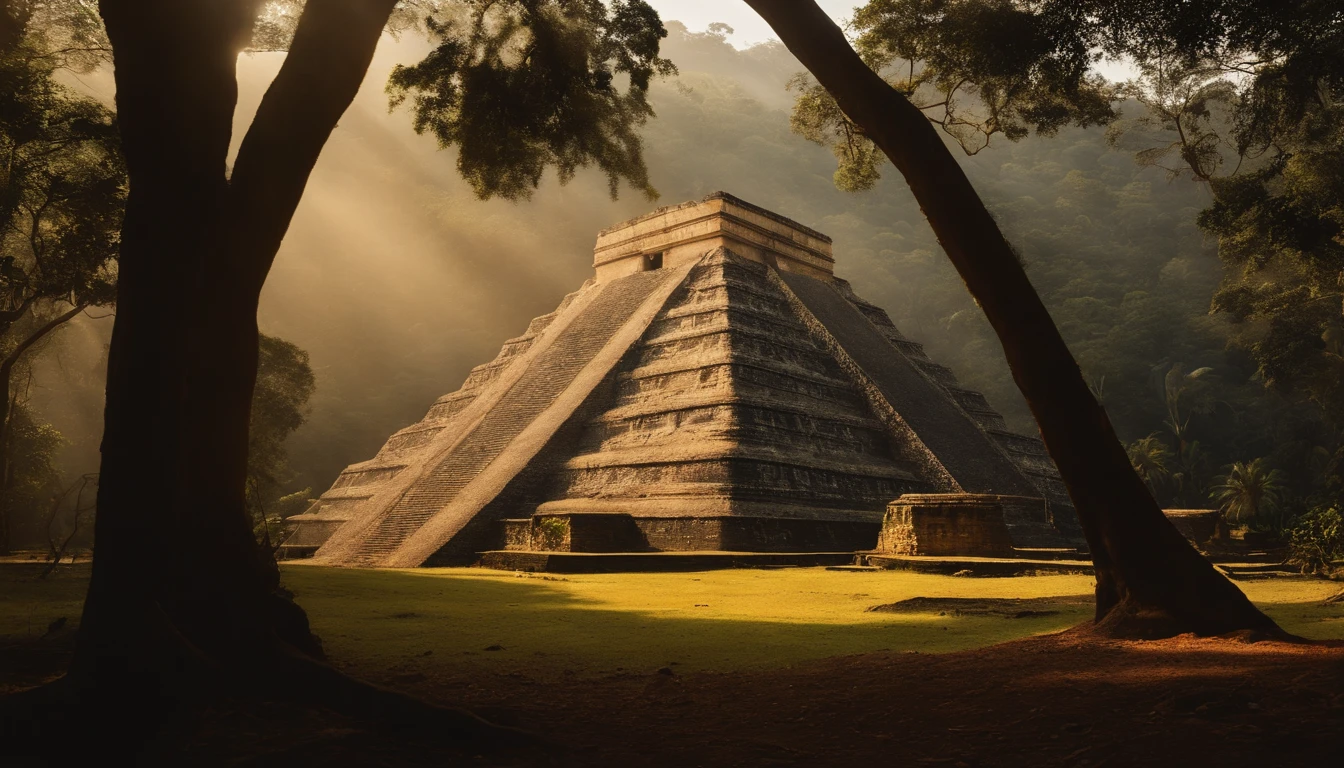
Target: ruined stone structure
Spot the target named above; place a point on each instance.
(952, 524)
(1199, 526)
(714, 388)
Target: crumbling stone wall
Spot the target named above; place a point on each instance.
(944, 525)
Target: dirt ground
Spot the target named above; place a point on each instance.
(1061, 699)
(1057, 700)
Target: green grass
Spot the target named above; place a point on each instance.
(28, 606)
(439, 622)
(715, 620)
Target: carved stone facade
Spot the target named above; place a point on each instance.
(715, 388)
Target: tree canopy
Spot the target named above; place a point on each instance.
(975, 69)
(523, 86)
(1242, 97)
(62, 192)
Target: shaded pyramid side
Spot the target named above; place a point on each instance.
(947, 422)
(1027, 451)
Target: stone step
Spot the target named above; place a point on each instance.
(643, 562)
(977, 566)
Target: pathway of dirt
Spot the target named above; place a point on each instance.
(1060, 700)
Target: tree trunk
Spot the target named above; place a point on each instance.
(1149, 578)
(180, 607)
(161, 568)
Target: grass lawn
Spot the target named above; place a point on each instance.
(439, 623)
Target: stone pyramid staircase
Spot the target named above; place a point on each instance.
(436, 492)
(726, 408)
(360, 485)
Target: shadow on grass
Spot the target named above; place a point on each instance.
(411, 622)
(460, 624)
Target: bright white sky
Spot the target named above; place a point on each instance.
(748, 29)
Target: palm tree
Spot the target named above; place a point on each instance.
(1249, 491)
(1192, 475)
(1177, 384)
(1151, 459)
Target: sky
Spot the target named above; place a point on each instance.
(748, 28)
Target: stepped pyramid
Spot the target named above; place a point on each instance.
(714, 388)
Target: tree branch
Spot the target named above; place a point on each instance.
(13, 315)
(333, 45)
(13, 357)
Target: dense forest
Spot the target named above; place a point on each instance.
(395, 281)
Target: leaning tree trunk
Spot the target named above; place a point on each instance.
(1149, 578)
(181, 608)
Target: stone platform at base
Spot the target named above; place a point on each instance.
(636, 562)
(975, 566)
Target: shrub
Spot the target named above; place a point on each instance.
(552, 532)
(1317, 540)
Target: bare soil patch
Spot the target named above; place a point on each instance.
(1058, 700)
(1008, 607)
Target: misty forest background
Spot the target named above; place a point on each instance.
(396, 280)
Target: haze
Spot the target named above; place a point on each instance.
(398, 281)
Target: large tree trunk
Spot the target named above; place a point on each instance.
(182, 606)
(166, 566)
(1149, 578)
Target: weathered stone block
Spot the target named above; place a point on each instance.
(575, 533)
(517, 534)
(1197, 525)
(945, 524)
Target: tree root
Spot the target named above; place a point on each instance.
(1132, 620)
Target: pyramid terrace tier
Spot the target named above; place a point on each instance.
(677, 234)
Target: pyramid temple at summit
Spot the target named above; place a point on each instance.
(714, 388)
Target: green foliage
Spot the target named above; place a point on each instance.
(1242, 95)
(31, 448)
(1250, 492)
(1152, 461)
(1281, 232)
(268, 520)
(62, 191)
(285, 382)
(58, 34)
(553, 532)
(976, 68)
(1316, 540)
(524, 85)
